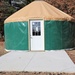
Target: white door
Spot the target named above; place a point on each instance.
(37, 35)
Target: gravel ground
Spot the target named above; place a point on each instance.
(34, 73)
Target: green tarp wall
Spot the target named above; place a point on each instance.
(58, 35)
(16, 36)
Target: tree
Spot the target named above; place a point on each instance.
(67, 6)
(5, 11)
(18, 4)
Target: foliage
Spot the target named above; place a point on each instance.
(6, 10)
(67, 6)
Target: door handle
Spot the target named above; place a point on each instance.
(31, 37)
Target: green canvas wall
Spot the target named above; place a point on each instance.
(16, 36)
(58, 35)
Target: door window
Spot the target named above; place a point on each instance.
(36, 30)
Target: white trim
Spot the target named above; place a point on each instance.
(7, 50)
(16, 50)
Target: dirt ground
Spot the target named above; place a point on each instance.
(2, 51)
(71, 54)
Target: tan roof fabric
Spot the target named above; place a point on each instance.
(38, 10)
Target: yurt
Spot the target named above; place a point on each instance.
(39, 26)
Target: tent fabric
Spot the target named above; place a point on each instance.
(16, 36)
(59, 31)
(59, 35)
(38, 10)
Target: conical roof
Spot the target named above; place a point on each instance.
(38, 10)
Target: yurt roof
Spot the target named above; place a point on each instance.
(38, 10)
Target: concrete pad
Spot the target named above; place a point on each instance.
(48, 61)
(51, 61)
(15, 61)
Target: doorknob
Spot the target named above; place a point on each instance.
(31, 37)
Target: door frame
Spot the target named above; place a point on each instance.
(29, 36)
